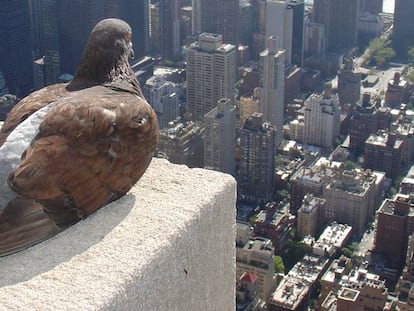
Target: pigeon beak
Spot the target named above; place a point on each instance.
(131, 51)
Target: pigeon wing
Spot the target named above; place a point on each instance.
(90, 150)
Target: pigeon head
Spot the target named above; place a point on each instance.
(105, 58)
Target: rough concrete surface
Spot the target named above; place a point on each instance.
(167, 245)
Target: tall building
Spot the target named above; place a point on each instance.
(350, 199)
(283, 19)
(371, 6)
(162, 96)
(308, 215)
(279, 23)
(211, 73)
(383, 151)
(255, 257)
(36, 30)
(349, 83)
(220, 137)
(196, 16)
(393, 230)
(403, 36)
(274, 223)
(272, 90)
(170, 27)
(66, 26)
(298, 31)
(247, 22)
(322, 118)
(182, 142)
(340, 18)
(364, 122)
(218, 16)
(351, 195)
(50, 36)
(257, 165)
(16, 47)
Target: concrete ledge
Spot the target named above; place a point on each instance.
(167, 245)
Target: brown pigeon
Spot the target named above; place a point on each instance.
(68, 149)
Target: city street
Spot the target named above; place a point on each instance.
(384, 76)
(367, 242)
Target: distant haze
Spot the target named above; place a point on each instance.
(388, 6)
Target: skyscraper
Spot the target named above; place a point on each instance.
(66, 25)
(273, 89)
(16, 47)
(349, 83)
(170, 27)
(217, 16)
(50, 36)
(298, 28)
(340, 18)
(279, 23)
(393, 230)
(257, 160)
(211, 73)
(322, 118)
(162, 96)
(403, 36)
(220, 137)
(371, 6)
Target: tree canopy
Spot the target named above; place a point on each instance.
(380, 52)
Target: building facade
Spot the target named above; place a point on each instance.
(182, 142)
(340, 18)
(170, 27)
(272, 90)
(220, 137)
(211, 73)
(162, 96)
(16, 47)
(217, 16)
(383, 151)
(308, 215)
(322, 118)
(394, 225)
(403, 23)
(257, 153)
(255, 256)
(349, 83)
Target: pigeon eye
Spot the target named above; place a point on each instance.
(128, 36)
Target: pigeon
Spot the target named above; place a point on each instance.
(70, 148)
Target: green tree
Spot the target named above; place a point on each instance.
(410, 55)
(383, 55)
(349, 165)
(279, 266)
(379, 52)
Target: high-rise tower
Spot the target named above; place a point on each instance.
(272, 91)
(340, 18)
(66, 26)
(279, 23)
(403, 36)
(220, 137)
(218, 16)
(16, 47)
(322, 118)
(371, 6)
(211, 73)
(170, 27)
(257, 160)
